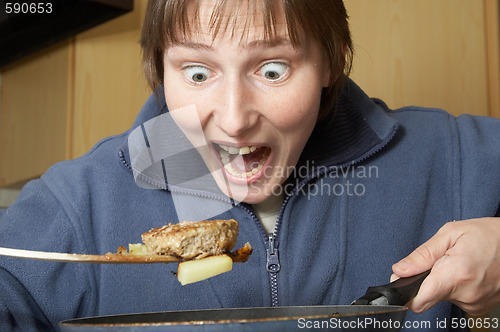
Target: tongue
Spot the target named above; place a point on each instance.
(247, 162)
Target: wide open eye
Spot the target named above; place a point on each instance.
(197, 74)
(273, 71)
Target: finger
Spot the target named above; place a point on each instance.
(448, 282)
(425, 256)
(434, 288)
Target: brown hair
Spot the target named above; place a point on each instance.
(324, 20)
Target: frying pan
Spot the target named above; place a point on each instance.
(381, 308)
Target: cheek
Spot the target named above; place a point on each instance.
(296, 110)
(178, 98)
(174, 96)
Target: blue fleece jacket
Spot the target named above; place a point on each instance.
(378, 184)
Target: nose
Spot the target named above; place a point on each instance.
(234, 111)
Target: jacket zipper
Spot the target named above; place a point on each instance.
(273, 267)
(273, 262)
(272, 255)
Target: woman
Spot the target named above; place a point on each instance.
(329, 186)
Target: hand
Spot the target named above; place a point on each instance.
(465, 261)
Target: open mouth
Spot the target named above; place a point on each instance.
(243, 162)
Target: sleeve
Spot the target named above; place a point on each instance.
(479, 144)
(37, 295)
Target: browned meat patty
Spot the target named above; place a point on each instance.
(190, 240)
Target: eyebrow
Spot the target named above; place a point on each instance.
(259, 43)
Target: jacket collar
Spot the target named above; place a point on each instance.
(360, 128)
(154, 106)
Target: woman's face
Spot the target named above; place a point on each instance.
(257, 100)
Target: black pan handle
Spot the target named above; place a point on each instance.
(398, 292)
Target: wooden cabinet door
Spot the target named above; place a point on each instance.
(435, 53)
(109, 84)
(33, 114)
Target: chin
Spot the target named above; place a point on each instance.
(255, 199)
(249, 193)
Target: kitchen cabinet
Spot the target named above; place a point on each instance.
(429, 53)
(110, 88)
(34, 104)
(58, 104)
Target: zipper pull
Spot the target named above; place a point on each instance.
(273, 262)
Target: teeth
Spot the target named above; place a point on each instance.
(235, 150)
(224, 157)
(244, 150)
(227, 150)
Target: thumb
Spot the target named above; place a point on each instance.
(424, 257)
